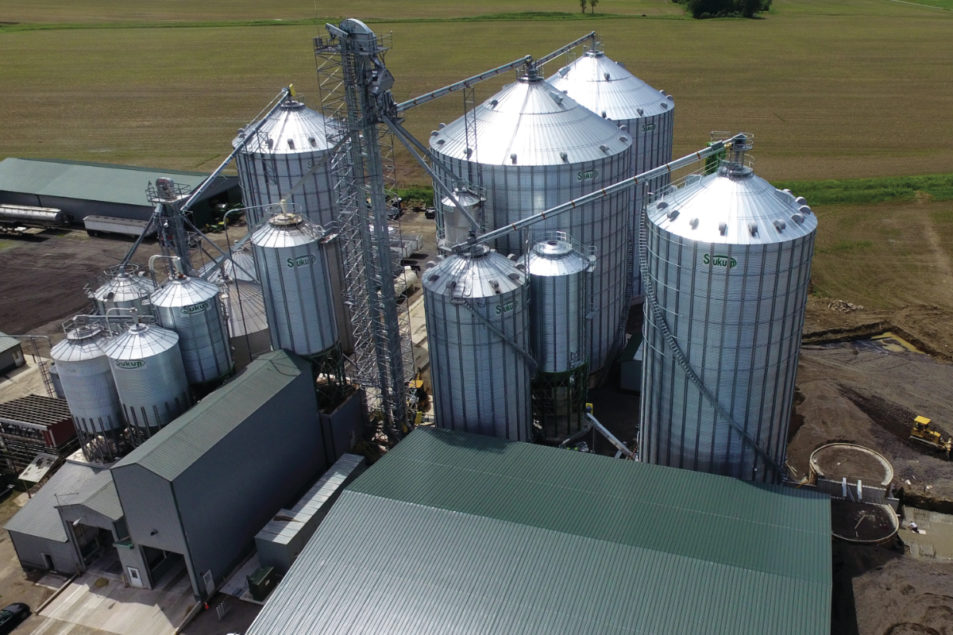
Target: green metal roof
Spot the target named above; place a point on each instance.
(88, 181)
(455, 532)
(100, 496)
(178, 445)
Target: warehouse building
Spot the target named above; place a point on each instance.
(192, 496)
(96, 189)
(457, 532)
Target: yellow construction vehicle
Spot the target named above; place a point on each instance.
(922, 433)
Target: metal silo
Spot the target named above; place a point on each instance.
(531, 147)
(606, 88)
(191, 308)
(299, 301)
(291, 144)
(291, 149)
(726, 271)
(123, 289)
(453, 226)
(247, 321)
(476, 307)
(559, 277)
(90, 391)
(150, 378)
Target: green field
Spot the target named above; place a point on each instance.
(854, 89)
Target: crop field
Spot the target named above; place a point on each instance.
(832, 91)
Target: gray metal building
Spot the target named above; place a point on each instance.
(195, 494)
(202, 487)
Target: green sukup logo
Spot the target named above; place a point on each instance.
(505, 307)
(648, 127)
(301, 261)
(585, 175)
(718, 260)
(130, 364)
(194, 308)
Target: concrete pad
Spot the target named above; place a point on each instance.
(105, 603)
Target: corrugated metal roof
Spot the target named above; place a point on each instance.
(39, 516)
(459, 533)
(178, 445)
(100, 495)
(89, 181)
(7, 342)
(36, 409)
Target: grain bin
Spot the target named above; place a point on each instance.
(90, 392)
(191, 307)
(291, 262)
(150, 378)
(124, 288)
(476, 305)
(726, 268)
(247, 321)
(559, 275)
(608, 89)
(293, 148)
(531, 147)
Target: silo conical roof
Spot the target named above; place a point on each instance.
(291, 129)
(607, 88)
(530, 123)
(733, 206)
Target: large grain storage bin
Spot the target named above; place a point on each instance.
(476, 306)
(727, 267)
(531, 147)
(289, 157)
(299, 301)
(191, 308)
(150, 378)
(90, 392)
(559, 277)
(608, 89)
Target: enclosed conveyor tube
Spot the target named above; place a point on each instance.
(625, 184)
(462, 84)
(591, 36)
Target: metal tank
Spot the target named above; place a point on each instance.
(608, 89)
(247, 321)
(299, 300)
(123, 289)
(559, 275)
(726, 269)
(454, 228)
(150, 378)
(477, 314)
(531, 147)
(191, 308)
(240, 265)
(292, 149)
(90, 392)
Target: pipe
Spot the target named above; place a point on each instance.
(400, 133)
(564, 49)
(611, 438)
(285, 93)
(621, 186)
(462, 84)
(176, 265)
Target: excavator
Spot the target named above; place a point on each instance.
(922, 433)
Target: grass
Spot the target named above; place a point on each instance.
(938, 187)
(841, 90)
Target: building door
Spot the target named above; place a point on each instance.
(134, 577)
